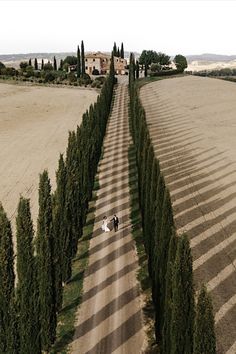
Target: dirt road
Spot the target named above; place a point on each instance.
(34, 124)
(192, 123)
(110, 317)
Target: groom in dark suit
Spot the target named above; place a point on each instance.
(115, 222)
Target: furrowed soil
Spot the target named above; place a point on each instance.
(192, 123)
(34, 125)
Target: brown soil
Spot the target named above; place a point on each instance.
(34, 124)
(192, 123)
(110, 317)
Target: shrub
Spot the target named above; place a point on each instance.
(49, 76)
(71, 77)
(96, 84)
(23, 65)
(48, 67)
(95, 72)
(9, 71)
(101, 79)
(165, 73)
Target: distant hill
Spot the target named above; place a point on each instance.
(210, 57)
(15, 59)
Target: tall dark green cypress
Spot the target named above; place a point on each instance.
(61, 65)
(204, 333)
(82, 59)
(182, 321)
(60, 230)
(137, 69)
(147, 196)
(167, 227)
(45, 266)
(114, 49)
(35, 64)
(166, 330)
(30, 62)
(151, 225)
(7, 279)
(54, 63)
(27, 286)
(122, 54)
(118, 52)
(78, 63)
(42, 64)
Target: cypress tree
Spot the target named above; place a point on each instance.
(27, 291)
(82, 59)
(137, 69)
(145, 70)
(30, 62)
(204, 334)
(13, 340)
(54, 63)
(122, 54)
(167, 226)
(118, 52)
(166, 331)
(78, 63)
(45, 266)
(182, 320)
(147, 215)
(35, 64)
(42, 65)
(114, 50)
(60, 229)
(153, 196)
(161, 249)
(7, 279)
(155, 260)
(61, 65)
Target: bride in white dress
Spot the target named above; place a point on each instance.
(104, 224)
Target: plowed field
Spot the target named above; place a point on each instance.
(34, 124)
(192, 123)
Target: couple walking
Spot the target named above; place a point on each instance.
(115, 221)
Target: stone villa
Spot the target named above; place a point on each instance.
(101, 62)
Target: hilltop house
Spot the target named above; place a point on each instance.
(101, 62)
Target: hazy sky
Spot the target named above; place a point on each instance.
(186, 27)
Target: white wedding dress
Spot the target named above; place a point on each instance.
(104, 226)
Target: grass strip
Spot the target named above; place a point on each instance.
(73, 290)
(137, 233)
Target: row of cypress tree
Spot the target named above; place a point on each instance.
(181, 327)
(80, 61)
(118, 52)
(28, 310)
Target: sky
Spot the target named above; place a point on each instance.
(185, 27)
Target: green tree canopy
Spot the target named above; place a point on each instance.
(2, 66)
(70, 59)
(149, 57)
(180, 62)
(23, 65)
(48, 67)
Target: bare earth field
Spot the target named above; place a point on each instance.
(193, 127)
(34, 124)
